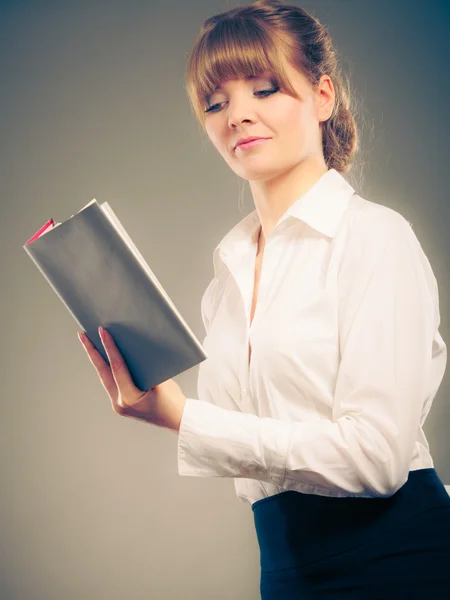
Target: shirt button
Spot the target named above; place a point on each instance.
(244, 391)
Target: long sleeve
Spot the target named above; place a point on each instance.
(387, 321)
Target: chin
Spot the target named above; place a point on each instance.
(256, 174)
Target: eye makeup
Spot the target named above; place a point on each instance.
(261, 94)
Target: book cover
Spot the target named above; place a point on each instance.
(96, 270)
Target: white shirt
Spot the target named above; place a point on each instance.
(346, 353)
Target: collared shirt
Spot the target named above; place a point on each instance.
(346, 353)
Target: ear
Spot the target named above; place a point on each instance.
(326, 97)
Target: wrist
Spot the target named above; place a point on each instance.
(172, 420)
(178, 416)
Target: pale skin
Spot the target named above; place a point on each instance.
(282, 169)
(279, 172)
(161, 405)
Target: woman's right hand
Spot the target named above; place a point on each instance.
(161, 405)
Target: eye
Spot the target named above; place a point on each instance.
(261, 94)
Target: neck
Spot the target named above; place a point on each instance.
(272, 197)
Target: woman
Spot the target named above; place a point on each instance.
(322, 426)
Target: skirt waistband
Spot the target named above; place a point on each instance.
(295, 528)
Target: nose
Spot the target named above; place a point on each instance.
(239, 111)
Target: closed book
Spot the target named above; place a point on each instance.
(96, 270)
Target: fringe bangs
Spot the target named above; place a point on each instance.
(232, 49)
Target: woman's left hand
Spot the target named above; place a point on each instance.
(161, 405)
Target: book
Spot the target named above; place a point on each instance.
(99, 274)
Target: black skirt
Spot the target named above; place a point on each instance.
(320, 547)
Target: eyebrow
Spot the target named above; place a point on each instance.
(247, 78)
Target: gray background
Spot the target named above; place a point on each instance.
(93, 106)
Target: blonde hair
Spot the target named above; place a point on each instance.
(249, 40)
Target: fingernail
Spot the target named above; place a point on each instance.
(81, 336)
(101, 331)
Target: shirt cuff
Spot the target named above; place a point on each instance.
(216, 442)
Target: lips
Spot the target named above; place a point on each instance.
(248, 140)
(244, 146)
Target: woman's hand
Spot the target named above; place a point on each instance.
(161, 405)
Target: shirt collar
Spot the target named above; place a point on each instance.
(321, 207)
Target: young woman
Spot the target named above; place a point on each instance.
(322, 332)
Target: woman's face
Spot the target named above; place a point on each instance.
(293, 125)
